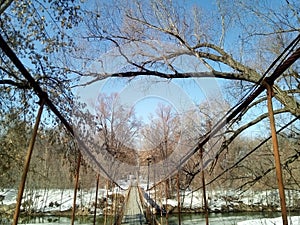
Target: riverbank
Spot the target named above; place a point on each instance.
(59, 202)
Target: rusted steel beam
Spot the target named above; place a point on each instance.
(178, 199)
(75, 189)
(96, 199)
(27, 163)
(204, 188)
(276, 155)
(166, 195)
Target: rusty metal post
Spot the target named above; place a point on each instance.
(155, 198)
(96, 199)
(106, 203)
(115, 199)
(204, 187)
(161, 202)
(166, 193)
(178, 200)
(276, 155)
(154, 178)
(27, 163)
(75, 188)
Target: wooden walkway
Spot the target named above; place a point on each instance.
(133, 211)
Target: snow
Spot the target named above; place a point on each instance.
(171, 202)
(54, 200)
(43, 200)
(10, 196)
(294, 220)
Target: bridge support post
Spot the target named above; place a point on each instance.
(27, 163)
(276, 154)
(167, 195)
(178, 199)
(106, 202)
(204, 187)
(96, 198)
(75, 188)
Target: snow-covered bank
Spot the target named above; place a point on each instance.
(56, 201)
(230, 201)
(294, 220)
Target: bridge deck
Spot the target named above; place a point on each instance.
(133, 212)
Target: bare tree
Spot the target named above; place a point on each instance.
(171, 32)
(162, 133)
(117, 127)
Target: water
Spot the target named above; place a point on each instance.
(186, 219)
(62, 220)
(217, 218)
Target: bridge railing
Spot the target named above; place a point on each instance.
(119, 218)
(147, 203)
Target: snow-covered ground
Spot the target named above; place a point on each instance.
(294, 220)
(56, 200)
(52, 200)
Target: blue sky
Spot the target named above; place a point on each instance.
(145, 94)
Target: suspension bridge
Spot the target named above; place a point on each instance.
(135, 207)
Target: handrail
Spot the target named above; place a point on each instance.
(120, 217)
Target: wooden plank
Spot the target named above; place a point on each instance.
(133, 212)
